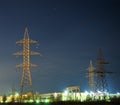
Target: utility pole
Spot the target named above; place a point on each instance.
(26, 82)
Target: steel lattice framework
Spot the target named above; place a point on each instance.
(26, 82)
(90, 75)
(101, 83)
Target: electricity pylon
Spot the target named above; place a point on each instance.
(90, 75)
(101, 83)
(26, 82)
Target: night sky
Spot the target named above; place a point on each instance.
(69, 33)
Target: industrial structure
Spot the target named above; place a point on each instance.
(26, 82)
(97, 80)
(90, 75)
(71, 93)
(101, 83)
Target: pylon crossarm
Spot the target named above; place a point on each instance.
(35, 53)
(20, 42)
(33, 65)
(18, 53)
(19, 66)
(33, 41)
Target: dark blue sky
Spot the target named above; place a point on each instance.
(69, 33)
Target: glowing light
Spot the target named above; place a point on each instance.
(55, 95)
(99, 91)
(78, 95)
(31, 101)
(118, 93)
(47, 101)
(16, 94)
(37, 101)
(86, 92)
(66, 92)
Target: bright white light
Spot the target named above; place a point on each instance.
(118, 93)
(99, 91)
(78, 94)
(86, 92)
(66, 92)
(37, 101)
(16, 94)
(55, 94)
(46, 100)
(91, 92)
(106, 92)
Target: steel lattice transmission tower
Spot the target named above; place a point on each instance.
(26, 82)
(90, 75)
(101, 83)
